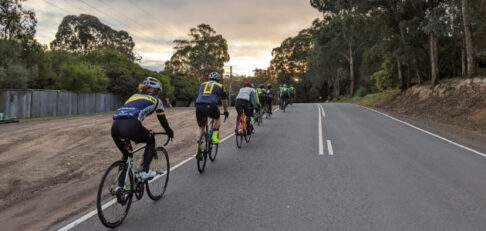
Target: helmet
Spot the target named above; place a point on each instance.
(285, 85)
(269, 86)
(153, 82)
(261, 85)
(252, 85)
(214, 76)
(247, 83)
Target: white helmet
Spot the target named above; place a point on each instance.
(153, 82)
(214, 76)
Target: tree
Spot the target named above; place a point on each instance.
(14, 73)
(86, 33)
(351, 17)
(16, 23)
(204, 53)
(468, 42)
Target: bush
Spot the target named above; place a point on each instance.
(362, 91)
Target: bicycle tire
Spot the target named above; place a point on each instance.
(125, 196)
(201, 164)
(248, 136)
(214, 152)
(162, 168)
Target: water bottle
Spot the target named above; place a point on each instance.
(210, 132)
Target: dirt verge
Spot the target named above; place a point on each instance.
(50, 169)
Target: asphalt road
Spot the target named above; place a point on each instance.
(383, 175)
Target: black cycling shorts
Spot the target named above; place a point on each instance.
(242, 105)
(203, 111)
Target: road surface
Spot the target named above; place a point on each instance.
(370, 172)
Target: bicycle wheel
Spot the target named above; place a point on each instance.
(213, 152)
(248, 136)
(201, 163)
(161, 165)
(238, 133)
(116, 204)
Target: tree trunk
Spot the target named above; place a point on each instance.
(471, 64)
(415, 68)
(463, 59)
(336, 88)
(408, 79)
(434, 61)
(400, 75)
(351, 70)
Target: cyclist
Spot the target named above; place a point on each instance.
(207, 106)
(270, 98)
(292, 93)
(262, 97)
(246, 101)
(128, 122)
(284, 95)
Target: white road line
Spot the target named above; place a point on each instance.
(430, 133)
(322, 108)
(321, 146)
(329, 147)
(109, 203)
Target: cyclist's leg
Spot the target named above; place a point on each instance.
(214, 114)
(249, 114)
(240, 108)
(142, 135)
(201, 117)
(116, 129)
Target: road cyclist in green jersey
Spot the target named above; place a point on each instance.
(284, 96)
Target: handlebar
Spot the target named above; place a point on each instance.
(162, 133)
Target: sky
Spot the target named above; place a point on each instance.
(252, 28)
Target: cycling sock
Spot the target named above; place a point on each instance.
(216, 135)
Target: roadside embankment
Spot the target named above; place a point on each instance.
(455, 108)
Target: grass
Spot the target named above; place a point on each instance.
(370, 99)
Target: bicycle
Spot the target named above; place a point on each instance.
(241, 130)
(283, 104)
(259, 116)
(122, 175)
(206, 137)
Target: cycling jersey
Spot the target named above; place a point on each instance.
(262, 92)
(270, 93)
(139, 106)
(210, 92)
(292, 91)
(249, 94)
(284, 92)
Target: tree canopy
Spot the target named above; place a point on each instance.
(86, 33)
(202, 54)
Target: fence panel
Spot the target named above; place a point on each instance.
(44, 103)
(86, 103)
(15, 104)
(103, 102)
(67, 103)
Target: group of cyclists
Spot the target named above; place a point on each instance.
(128, 118)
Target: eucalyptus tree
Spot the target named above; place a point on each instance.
(205, 52)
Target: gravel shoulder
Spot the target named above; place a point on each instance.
(50, 169)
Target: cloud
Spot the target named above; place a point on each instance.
(251, 27)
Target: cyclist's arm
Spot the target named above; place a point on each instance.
(163, 119)
(257, 98)
(224, 100)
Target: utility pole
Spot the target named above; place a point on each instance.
(230, 85)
